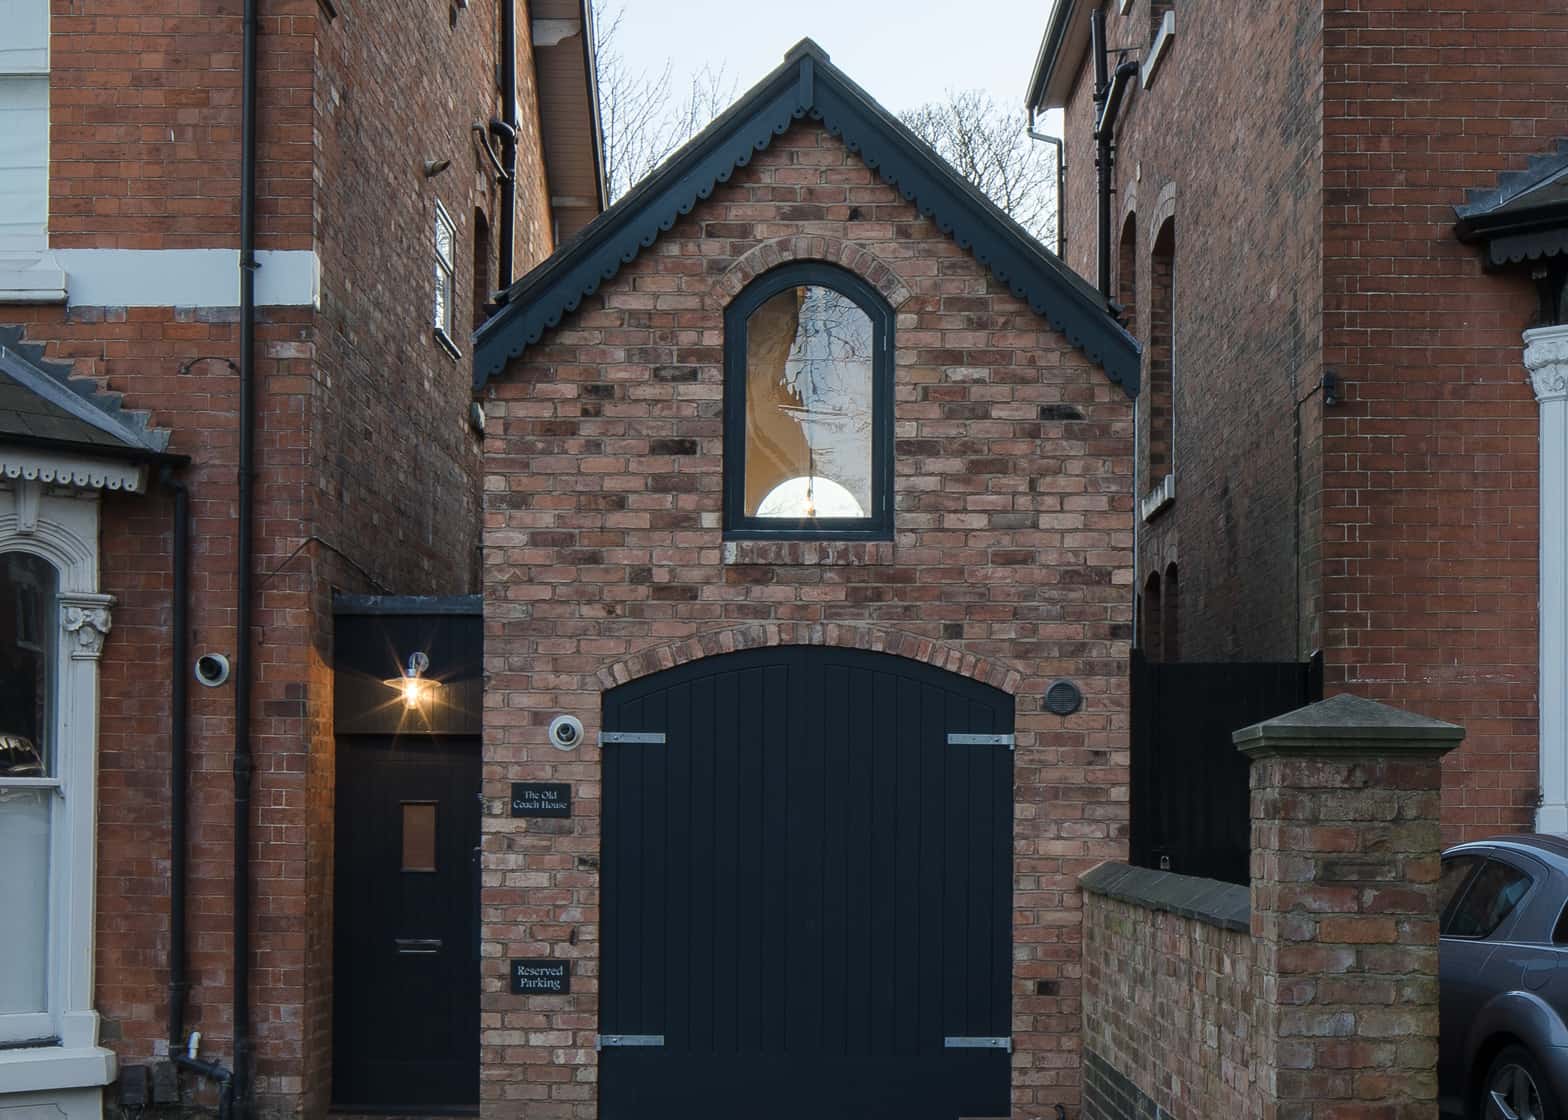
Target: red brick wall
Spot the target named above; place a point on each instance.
(144, 110)
(604, 558)
(1429, 466)
(368, 467)
(394, 464)
(1227, 141)
(1170, 1013)
(140, 350)
(1324, 1002)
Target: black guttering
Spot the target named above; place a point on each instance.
(1108, 95)
(1050, 53)
(806, 85)
(1521, 225)
(591, 68)
(179, 736)
(506, 130)
(242, 1087)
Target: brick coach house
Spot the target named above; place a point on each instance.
(807, 564)
(1351, 439)
(240, 260)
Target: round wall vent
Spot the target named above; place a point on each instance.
(1063, 698)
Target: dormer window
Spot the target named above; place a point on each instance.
(808, 407)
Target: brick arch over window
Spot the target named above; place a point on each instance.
(846, 254)
(844, 635)
(1127, 273)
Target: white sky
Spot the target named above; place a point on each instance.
(902, 52)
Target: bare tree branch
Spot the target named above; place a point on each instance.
(643, 121)
(986, 144)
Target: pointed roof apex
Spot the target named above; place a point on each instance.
(1347, 724)
(805, 87)
(806, 46)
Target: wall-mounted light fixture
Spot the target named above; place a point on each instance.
(1331, 388)
(412, 684)
(434, 167)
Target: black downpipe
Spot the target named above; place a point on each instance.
(508, 135)
(212, 1071)
(243, 1088)
(179, 729)
(1108, 94)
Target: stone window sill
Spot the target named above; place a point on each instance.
(1161, 496)
(41, 1068)
(1162, 42)
(808, 553)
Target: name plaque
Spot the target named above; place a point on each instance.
(541, 799)
(535, 977)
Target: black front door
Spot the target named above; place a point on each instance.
(807, 891)
(406, 980)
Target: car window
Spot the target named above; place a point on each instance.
(1492, 896)
(1456, 871)
(1560, 931)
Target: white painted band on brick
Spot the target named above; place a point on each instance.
(187, 277)
(1546, 357)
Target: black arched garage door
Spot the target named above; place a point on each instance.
(807, 891)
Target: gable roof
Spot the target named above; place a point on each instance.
(41, 405)
(1524, 217)
(806, 85)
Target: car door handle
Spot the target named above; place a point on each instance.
(417, 946)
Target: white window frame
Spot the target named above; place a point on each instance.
(29, 273)
(60, 526)
(445, 274)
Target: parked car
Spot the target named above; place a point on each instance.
(1503, 978)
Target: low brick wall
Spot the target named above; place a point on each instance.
(1310, 994)
(1168, 973)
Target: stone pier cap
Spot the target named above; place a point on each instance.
(1347, 725)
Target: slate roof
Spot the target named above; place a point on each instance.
(806, 86)
(1524, 217)
(42, 405)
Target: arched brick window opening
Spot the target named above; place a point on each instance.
(1127, 274)
(1169, 623)
(484, 279)
(1159, 448)
(1152, 638)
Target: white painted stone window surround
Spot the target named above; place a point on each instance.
(1546, 358)
(59, 525)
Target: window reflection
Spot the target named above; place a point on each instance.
(27, 593)
(27, 596)
(809, 360)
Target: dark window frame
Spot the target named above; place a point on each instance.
(879, 525)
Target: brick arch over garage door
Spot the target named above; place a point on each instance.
(989, 671)
(807, 889)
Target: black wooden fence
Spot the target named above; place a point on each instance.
(1189, 782)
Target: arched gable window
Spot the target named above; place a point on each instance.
(808, 407)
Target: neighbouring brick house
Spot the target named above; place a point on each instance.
(807, 497)
(385, 213)
(1339, 447)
